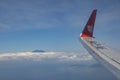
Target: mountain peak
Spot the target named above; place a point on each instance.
(37, 50)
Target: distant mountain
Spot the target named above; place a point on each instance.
(37, 50)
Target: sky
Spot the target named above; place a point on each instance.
(55, 25)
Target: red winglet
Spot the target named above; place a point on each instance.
(89, 27)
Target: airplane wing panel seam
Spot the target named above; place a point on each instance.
(103, 56)
(101, 52)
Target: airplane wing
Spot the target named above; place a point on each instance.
(98, 50)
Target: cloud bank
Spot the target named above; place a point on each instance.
(58, 56)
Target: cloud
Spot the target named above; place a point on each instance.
(58, 56)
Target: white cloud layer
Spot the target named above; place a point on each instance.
(58, 56)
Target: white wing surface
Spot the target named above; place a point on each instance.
(98, 50)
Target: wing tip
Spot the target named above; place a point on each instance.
(89, 27)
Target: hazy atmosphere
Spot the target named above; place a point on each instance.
(51, 66)
(53, 27)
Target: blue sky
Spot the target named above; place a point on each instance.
(55, 25)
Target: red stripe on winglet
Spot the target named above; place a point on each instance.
(89, 27)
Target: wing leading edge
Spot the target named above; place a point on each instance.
(98, 50)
